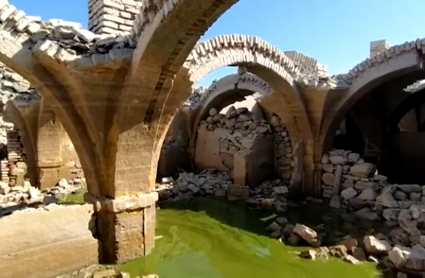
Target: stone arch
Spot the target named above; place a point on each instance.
(157, 67)
(246, 84)
(24, 119)
(30, 59)
(258, 57)
(232, 88)
(397, 68)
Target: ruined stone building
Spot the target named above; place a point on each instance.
(115, 91)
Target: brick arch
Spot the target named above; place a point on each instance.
(396, 68)
(23, 118)
(24, 56)
(258, 57)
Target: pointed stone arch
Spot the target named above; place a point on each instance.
(258, 57)
(29, 58)
(395, 69)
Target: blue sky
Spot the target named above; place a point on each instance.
(335, 32)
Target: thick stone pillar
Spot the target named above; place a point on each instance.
(49, 148)
(125, 227)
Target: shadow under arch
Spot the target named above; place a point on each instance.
(391, 74)
(415, 100)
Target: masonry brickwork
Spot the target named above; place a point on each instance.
(113, 16)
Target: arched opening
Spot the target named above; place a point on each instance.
(405, 145)
(282, 102)
(232, 133)
(349, 136)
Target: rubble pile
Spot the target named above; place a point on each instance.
(198, 96)
(373, 247)
(15, 87)
(283, 150)
(236, 130)
(27, 194)
(354, 185)
(187, 185)
(240, 119)
(16, 167)
(269, 194)
(344, 170)
(102, 271)
(78, 41)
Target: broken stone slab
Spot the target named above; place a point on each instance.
(328, 179)
(351, 259)
(307, 234)
(386, 200)
(338, 160)
(348, 193)
(405, 258)
(363, 185)
(409, 188)
(380, 178)
(391, 214)
(374, 246)
(368, 195)
(362, 170)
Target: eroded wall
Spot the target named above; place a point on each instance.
(59, 242)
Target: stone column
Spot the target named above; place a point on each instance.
(49, 149)
(125, 227)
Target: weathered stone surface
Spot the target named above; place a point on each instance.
(374, 246)
(351, 259)
(407, 258)
(362, 170)
(328, 179)
(338, 160)
(368, 194)
(386, 200)
(308, 234)
(349, 193)
(409, 188)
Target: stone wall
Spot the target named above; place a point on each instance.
(344, 169)
(46, 242)
(111, 16)
(235, 141)
(16, 158)
(283, 150)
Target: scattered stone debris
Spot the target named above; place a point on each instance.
(269, 194)
(73, 38)
(102, 271)
(353, 185)
(11, 197)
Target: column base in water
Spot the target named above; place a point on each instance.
(124, 227)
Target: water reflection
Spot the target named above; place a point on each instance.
(208, 238)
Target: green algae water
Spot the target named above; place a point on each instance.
(205, 238)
